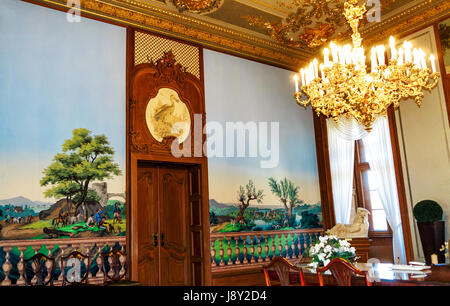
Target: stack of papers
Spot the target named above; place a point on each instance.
(410, 267)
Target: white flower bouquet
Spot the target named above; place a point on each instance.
(328, 248)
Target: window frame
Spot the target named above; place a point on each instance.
(361, 184)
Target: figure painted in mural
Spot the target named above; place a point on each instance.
(99, 217)
(90, 221)
(117, 212)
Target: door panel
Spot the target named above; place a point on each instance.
(195, 203)
(147, 226)
(174, 227)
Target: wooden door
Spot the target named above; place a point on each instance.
(147, 226)
(174, 228)
(163, 226)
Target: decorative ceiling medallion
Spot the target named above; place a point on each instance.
(167, 116)
(312, 25)
(197, 6)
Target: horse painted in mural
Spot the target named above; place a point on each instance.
(61, 221)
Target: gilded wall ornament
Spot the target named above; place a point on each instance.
(197, 6)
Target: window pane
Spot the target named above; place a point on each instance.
(373, 184)
(362, 153)
(379, 220)
(375, 200)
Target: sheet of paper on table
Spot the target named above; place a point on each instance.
(409, 267)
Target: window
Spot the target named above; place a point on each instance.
(367, 195)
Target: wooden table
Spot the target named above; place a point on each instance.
(383, 275)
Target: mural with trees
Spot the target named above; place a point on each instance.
(290, 213)
(84, 158)
(77, 212)
(62, 127)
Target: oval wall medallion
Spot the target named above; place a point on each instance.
(168, 116)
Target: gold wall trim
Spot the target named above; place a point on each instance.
(127, 17)
(144, 15)
(148, 9)
(407, 21)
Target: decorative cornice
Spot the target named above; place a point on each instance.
(186, 27)
(407, 21)
(196, 6)
(182, 28)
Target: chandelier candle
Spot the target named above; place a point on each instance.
(346, 88)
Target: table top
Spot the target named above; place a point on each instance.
(383, 274)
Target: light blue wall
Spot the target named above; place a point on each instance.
(55, 76)
(242, 90)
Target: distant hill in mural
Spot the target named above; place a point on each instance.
(22, 201)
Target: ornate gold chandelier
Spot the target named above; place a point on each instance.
(345, 88)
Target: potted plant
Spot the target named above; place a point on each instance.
(428, 214)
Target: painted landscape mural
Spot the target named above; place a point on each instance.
(244, 196)
(293, 213)
(62, 126)
(75, 179)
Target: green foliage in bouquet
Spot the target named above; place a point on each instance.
(427, 211)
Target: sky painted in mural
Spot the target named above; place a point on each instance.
(55, 76)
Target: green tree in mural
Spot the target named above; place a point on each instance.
(310, 220)
(62, 189)
(287, 193)
(245, 196)
(84, 158)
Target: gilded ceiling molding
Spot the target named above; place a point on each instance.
(198, 6)
(127, 16)
(313, 24)
(400, 24)
(186, 27)
(145, 7)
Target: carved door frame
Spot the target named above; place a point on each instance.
(143, 83)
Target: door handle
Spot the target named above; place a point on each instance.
(155, 239)
(162, 239)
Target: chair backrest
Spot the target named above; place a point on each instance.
(282, 267)
(74, 277)
(342, 272)
(43, 269)
(117, 266)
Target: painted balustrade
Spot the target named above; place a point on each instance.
(236, 249)
(227, 250)
(13, 256)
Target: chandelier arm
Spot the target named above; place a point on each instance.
(345, 88)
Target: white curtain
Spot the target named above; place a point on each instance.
(377, 145)
(341, 151)
(347, 128)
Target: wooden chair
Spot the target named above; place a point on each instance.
(342, 272)
(282, 267)
(117, 266)
(77, 256)
(43, 268)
